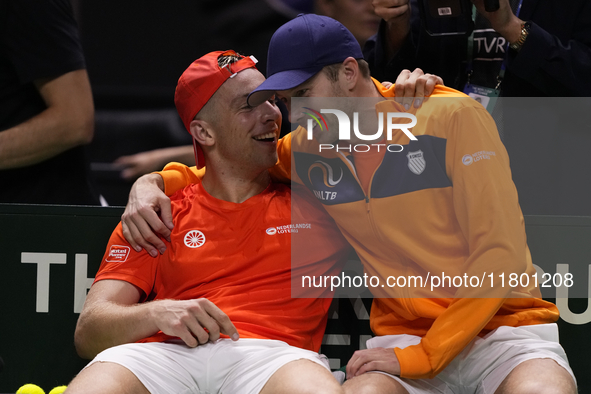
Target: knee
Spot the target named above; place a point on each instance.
(328, 386)
(311, 389)
(361, 389)
(333, 390)
(538, 376)
(558, 386)
(373, 383)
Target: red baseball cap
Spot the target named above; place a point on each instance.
(199, 82)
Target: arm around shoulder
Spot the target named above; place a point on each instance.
(176, 176)
(148, 211)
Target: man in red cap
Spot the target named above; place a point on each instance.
(215, 312)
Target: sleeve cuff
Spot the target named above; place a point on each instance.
(177, 176)
(414, 362)
(141, 284)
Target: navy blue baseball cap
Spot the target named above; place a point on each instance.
(300, 49)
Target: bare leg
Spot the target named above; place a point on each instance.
(106, 377)
(538, 376)
(373, 383)
(302, 377)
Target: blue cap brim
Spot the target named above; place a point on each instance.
(283, 80)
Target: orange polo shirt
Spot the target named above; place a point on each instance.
(239, 257)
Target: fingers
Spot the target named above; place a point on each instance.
(377, 359)
(141, 222)
(419, 93)
(205, 328)
(429, 81)
(185, 334)
(150, 223)
(387, 84)
(224, 324)
(369, 366)
(131, 233)
(166, 217)
(195, 321)
(390, 9)
(404, 87)
(131, 173)
(353, 365)
(362, 361)
(413, 88)
(123, 160)
(138, 230)
(189, 330)
(424, 87)
(209, 317)
(129, 168)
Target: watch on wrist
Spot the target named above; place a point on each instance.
(516, 46)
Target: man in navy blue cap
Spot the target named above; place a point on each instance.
(301, 49)
(429, 208)
(314, 56)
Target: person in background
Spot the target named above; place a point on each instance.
(136, 165)
(544, 48)
(46, 105)
(357, 16)
(525, 49)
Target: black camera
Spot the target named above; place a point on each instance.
(450, 17)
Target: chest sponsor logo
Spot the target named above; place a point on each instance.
(328, 175)
(194, 239)
(478, 156)
(288, 228)
(416, 162)
(118, 253)
(324, 195)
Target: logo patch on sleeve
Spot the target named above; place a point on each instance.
(478, 156)
(118, 253)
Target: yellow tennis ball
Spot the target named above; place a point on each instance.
(30, 389)
(58, 390)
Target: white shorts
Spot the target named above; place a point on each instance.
(224, 366)
(483, 365)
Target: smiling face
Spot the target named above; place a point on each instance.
(244, 137)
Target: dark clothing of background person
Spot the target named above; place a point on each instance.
(39, 39)
(555, 60)
(547, 140)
